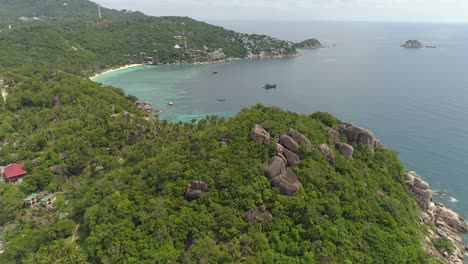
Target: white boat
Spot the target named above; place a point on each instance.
(170, 103)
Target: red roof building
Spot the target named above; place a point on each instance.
(14, 171)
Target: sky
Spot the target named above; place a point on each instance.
(355, 10)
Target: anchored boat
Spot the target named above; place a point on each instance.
(270, 86)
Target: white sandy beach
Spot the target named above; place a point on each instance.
(114, 69)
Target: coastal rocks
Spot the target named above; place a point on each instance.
(412, 44)
(259, 214)
(195, 190)
(289, 143)
(423, 197)
(325, 149)
(145, 107)
(259, 134)
(451, 218)
(418, 183)
(448, 223)
(287, 182)
(420, 189)
(345, 149)
(300, 138)
(359, 135)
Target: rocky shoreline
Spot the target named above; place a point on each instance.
(443, 223)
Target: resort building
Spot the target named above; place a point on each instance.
(49, 200)
(30, 200)
(14, 173)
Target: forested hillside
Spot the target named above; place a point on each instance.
(73, 38)
(16, 12)
(89, 178)
(122, 180)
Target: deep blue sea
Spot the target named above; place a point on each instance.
(415, 101)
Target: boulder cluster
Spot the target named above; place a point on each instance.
(359, 135)
(259, 214)
(278, 168)
(195, 190)
(259, 134)
(449, 224)
(286, 154)
(353, 135)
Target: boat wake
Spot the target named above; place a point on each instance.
(453, 200)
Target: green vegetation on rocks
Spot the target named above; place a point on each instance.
(309, 44)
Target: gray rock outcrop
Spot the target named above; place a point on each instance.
(277, 169)
(448, 223)
(451, 218)
(259, 134)
(292, 158)
(58, 170)
(287, 182)
(359, 135)
(259, 214)
(195, 190)
(325, 149)
(281, 176)
(289, 143)
(334, 134)
(345, 149)
(276, 166)
(300, 138)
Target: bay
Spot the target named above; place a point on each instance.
(415, 101)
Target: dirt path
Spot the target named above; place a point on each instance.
(76, 230)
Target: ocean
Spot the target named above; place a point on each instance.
(414, 100)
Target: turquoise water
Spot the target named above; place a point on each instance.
(415, 101)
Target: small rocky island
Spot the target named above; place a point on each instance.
(412, 44)
(309, 44)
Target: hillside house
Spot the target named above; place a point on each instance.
(49, 200)
(2, 79)
(14, 173)
(30, 200)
